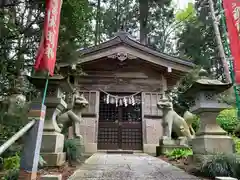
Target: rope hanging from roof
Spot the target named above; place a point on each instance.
(121, 100)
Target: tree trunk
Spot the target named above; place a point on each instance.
(219, 43)
(98, 19)
(126, 18)
(143, 8)
(117, 17)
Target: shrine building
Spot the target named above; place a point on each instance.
(123, 82)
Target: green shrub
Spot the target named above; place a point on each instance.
(11, 175)
(178, 153)
(11, 162)
(71, 150)
(1, 163)
(227, 119)
(237, 144)
(221, 165)
(196, 123)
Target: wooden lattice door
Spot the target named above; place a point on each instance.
(120, 127)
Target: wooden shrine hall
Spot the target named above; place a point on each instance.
(123, 81)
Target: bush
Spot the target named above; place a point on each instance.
(11, 175)
(196, 123)
(221, 165)
(227, 119)
(72, 151)
(178, 153)
(237, 144)
(1, 163)
(11, 162)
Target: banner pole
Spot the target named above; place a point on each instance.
(226, 46)
(45, 89)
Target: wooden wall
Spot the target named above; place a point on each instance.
(130, 76)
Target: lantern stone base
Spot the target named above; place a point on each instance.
(52, 148)
(212, 144)
(52, 142)
(205, 146)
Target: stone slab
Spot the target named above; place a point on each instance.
(128, 167)
(150, 149)
(225, 178)
(51, 177)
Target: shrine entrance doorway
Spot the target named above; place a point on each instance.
(120, 125)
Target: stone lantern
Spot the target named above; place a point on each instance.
(52, 140)
(210, 138)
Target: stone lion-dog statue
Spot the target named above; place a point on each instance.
(69, 117)
(176, 123)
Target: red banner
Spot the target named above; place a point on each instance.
(46, 55)
(232, 12)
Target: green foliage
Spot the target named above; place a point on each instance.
(11, 162)
(72, 151)
(9, 125)
(196, 39)
(1, 163)
(187, 14)
(181, 104)
(221, 165)
(237, 144)
(196, 123)
(11, 175)
(178, 153)
(227, 119)
(75, 29)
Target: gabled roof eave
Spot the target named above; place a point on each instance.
(123, 39)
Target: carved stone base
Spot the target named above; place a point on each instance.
(54, 159)
(181, 141)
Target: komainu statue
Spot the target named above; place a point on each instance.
(175, 122)
(69, 117)
(81, 103)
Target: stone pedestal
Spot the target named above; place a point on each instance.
(167, 144)
(52, 148)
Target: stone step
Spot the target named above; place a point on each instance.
(225, 178)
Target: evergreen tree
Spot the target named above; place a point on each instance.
(197, 42)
